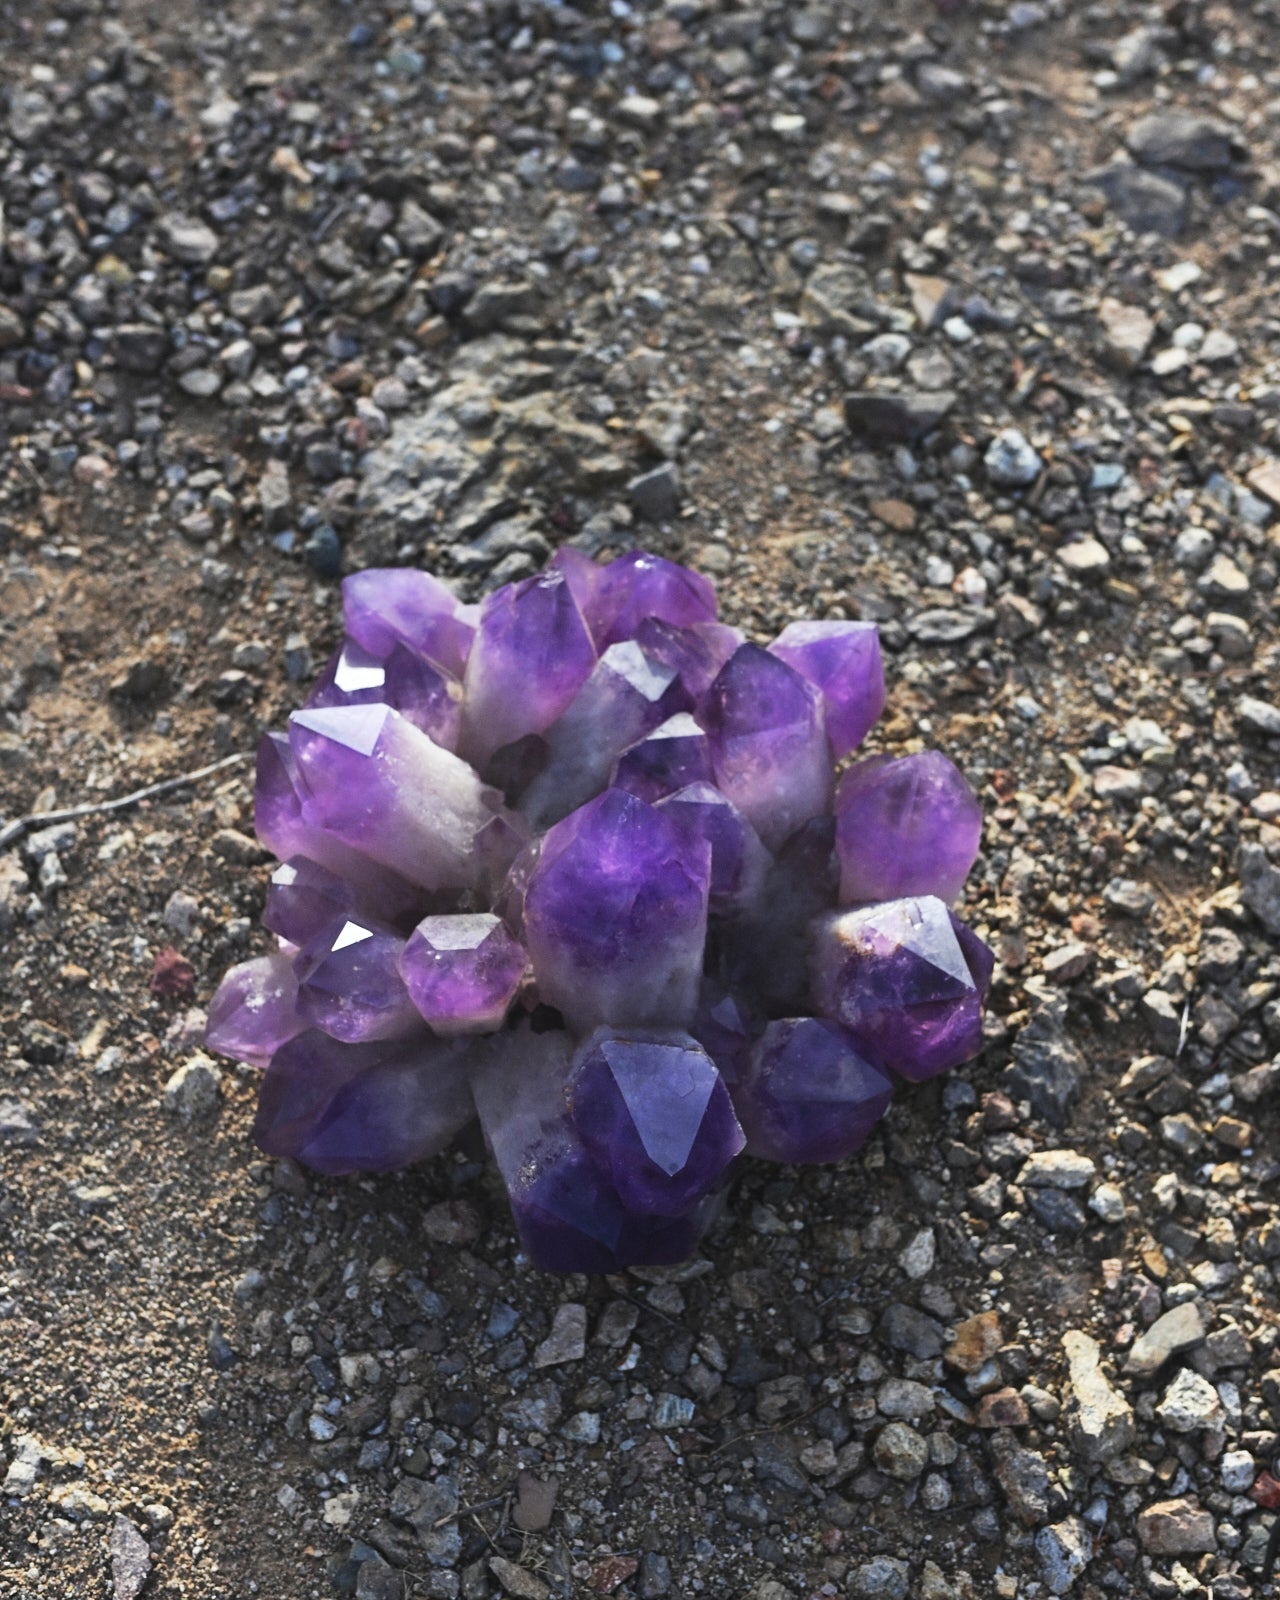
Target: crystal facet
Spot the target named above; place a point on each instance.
(531, 656)
(419, 691)
(615, 916)
(363, 1107)
(372, 781)
(768, 743)
(638, 586)
(905, 827)
(807, 1094)
(386, 606)
(907, 979)
(739, 861)
(349, 984)
(255, 1010)
(462, 972)
(655, 1114)
(675, 754)
(842, 660)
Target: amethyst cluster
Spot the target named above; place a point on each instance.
(576, 861)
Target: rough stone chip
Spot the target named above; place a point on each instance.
(1099, 1419)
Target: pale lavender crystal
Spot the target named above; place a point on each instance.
(363, 1107)
(462, 972)
(907, 979)
(532, 654)
(349, 984)
(386, 606)
(696, 654)
(569, 1215)
(842, 660)
(255, 1010)
(279, 824)
(739, 861)
(638, 586)
(655, 1114)
(371, 780)
(675, 754)
(768, 743)
(615, 916)
(626, 696)
(418, 690)
(905, 827)
(807, 1094)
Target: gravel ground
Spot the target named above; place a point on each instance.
(960, 320)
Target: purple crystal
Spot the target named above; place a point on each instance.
(675, 754)
(768, 744)
(625, 697)
(362, 1107)
(386, 606)
(615, 916)
(905, 827)
(349, 984)
(531, 656)
(907, 979)
(570, 1217)
(462, 972)
(303, 899)
(279, 823)
(654, 1112)
(419, 691)
(255, 1010)
(372, 781)
(722, 1029)
(807, 1095)
(842, 660)
(696, 654)
(638, 586)
(739, 861)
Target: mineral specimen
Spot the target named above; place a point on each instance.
(569, 861)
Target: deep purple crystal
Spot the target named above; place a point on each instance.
(303, 899)
(675, 754)
(531, 656)
(842, 660)
(615, 916)
(255, 1010)
(656, 1116)
(739, 862)
(388, 606)
(807, 1094)
(349, 983)
(570, 1217)
(627, 695)
(413, 686)
(638, 586)
(696, 654)
(362, 1107)
(462, 972)
(905, 827)
(907, 979)
(768, 743)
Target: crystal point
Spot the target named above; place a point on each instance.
(383, 607)
(807, 1094)
(907, 979)
(255, 1010)
(905, 827)
(842, 660)
(349, 983)
(768, 743)
(462, 972)
(615, 916)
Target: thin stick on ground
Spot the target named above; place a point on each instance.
(14, 830)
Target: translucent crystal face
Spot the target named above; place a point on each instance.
(569, 861)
